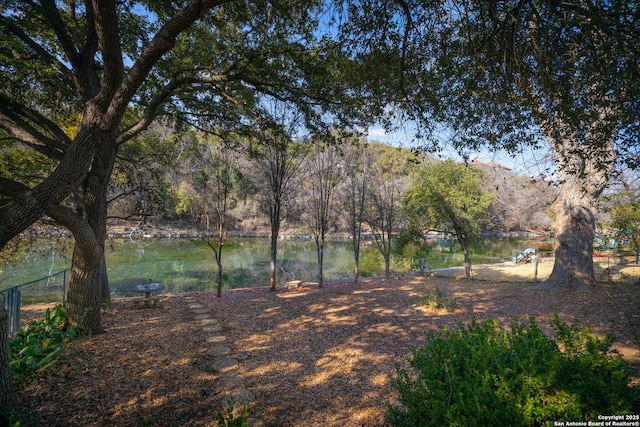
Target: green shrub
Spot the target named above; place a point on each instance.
(487, 375)
(228, 419)
(35, 348)
(437, 301)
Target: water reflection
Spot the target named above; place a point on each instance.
(188, 265)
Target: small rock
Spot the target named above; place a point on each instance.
(225, 365)
(218, 350)
(230, 382)
(216, 339)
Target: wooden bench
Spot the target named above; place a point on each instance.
(293, 284)
(145, 302)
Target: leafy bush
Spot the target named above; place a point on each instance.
(228, 419)
(487, 375)
(437, 301)
(35, 348)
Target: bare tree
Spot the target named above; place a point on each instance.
(353, 194)
(278, 159)
(217, 183)
(520, 202)
(387, 182)
(324, 176)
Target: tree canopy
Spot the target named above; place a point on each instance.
(81, 64)
(506, 73)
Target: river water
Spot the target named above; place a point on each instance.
(184, 265)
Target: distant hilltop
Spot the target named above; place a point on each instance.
(491, 164)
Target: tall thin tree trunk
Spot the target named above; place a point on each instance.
(275, 230)
(356, 256)
(467, 259)
(219, 262)
(8, 404)
(320, 249)
(387, 255)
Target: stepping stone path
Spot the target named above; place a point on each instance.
(224, 364)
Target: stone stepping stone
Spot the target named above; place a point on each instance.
(225, 365)
(213, 328)
(202, 316)
(195, 305)
(200, 310)
(208, 321)
(216, 339)
(219, 350)
(242, 397)
(230, 382)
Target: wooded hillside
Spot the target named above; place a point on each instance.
(160, 183)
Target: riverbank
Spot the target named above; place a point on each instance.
(182, 230)
(171, 232)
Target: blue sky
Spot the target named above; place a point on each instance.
(528, 163)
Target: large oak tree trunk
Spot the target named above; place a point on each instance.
(575, 231)
(8, 403)
(582, 177)
(88, 279)
(95, 202)
(84, 297)
(104, 278)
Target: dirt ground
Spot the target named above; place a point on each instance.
(310, 356)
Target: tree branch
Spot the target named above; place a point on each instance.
(161, 43)
(11, 188)
(60, 214)
(165, 92)
(20, 132)
(66, 41)
(39, 51)
(19, 121)
(105, 20)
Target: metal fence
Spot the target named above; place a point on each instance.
(47, 289)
